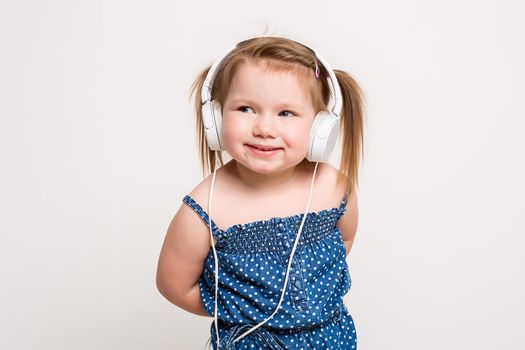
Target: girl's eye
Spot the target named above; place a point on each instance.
(246, 109)
(286, 114)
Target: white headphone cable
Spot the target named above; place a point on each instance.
(287, 269)
(289, 262)
(214, 255)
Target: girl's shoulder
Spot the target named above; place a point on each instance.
(327, 174)
(329, 184)
(201, 192)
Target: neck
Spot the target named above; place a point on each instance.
(256, 181)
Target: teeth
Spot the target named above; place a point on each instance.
(264, 149)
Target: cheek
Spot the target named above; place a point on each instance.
(231, 131)
(300, 134)
(298, 139)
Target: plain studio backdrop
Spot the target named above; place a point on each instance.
(98, 149)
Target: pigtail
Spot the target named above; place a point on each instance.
(208, 157)
(352, 128)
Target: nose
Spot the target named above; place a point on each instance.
(265, 126)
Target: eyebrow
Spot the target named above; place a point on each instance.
(248, 101)
(238, 100)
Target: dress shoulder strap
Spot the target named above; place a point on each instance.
(342, 206)
(201, 212)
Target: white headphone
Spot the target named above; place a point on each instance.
(325, 128)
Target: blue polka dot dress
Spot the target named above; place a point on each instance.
(252, 260)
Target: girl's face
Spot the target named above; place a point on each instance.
(267, 116)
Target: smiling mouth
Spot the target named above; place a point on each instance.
(263, 148)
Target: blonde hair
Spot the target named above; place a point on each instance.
(285, 54)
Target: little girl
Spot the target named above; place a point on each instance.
(242, 248)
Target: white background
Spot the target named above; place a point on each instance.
(97, 150)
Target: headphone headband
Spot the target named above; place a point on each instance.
(210, 77)
(336, 99)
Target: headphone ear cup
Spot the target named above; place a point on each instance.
(323, 137)
(212, 120)
(217, 115)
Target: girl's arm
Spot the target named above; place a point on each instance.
(181, 261)
(348, 222)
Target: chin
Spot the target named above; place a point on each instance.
(260, 168)
(264, 169)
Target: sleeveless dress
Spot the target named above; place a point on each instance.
(253, 258)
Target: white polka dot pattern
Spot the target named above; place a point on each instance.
(252, 265)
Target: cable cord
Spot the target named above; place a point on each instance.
(214, 256)
(287, 269)
(289, 262)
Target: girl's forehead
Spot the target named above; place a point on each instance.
(274, 66)
(252, 77)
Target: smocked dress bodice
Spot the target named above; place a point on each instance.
(253, 259)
